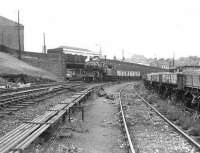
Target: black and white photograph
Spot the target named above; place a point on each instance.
(99, 76)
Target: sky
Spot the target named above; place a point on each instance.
(153, 28)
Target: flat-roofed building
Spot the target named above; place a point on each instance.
(74, 51)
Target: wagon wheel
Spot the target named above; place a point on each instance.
(179, 96)
(165, 90)
(198, 106)
(196, 101)
(188, 97)
(174, 96)
(159, 90)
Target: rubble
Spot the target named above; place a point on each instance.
(110, 96)
(62, 135)
(101, 93)
(70, 148)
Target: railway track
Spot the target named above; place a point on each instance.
(190, 139)
(16, 100)
(126, 130)
(21, 137)
(11, 91)
(33, 86)
(187, 138)
(17, 140)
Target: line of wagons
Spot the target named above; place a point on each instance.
(111, 75)
(101, 71)
(183, 86)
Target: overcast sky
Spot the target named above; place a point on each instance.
(149, 27)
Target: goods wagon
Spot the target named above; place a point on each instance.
(148, 77)
(154, 77)
(184, 86)
(192, 79)
(169, 78)
(127, 75)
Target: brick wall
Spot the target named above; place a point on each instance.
(53, 63)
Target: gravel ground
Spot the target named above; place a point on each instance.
(149, 132)
(10, 122)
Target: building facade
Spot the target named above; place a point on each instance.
(9, 36)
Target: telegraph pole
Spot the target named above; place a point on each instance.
(19, 41)
(100, 51)
(2, 41)
(173, 59)
(44, 46)
(123, 55)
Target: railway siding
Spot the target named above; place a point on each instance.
(19, 138)
(148, 131)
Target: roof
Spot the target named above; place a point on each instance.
(195, 66)
(7, 22)
(123, 65)
(75, 48)
(72, 50)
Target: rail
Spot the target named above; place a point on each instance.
(125, 125)
(190, 140)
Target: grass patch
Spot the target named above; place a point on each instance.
(182, 118)
(195, 130)
(186, 122)
(174, 112)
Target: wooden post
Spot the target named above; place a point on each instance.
(69, 115)
(82, 113)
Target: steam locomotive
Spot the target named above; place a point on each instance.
(100, 70)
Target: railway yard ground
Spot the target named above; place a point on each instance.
(95, 125)
(149, 132)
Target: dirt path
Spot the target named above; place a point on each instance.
(101, 120)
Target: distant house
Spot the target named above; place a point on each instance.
(9, 34)
(165, 66)
(187, 67)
